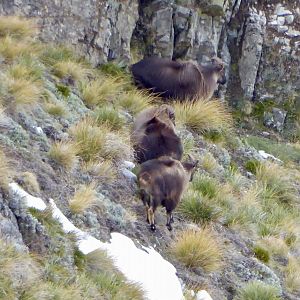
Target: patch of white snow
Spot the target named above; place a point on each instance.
(30, 201)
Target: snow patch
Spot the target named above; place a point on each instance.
(30, 201)
(145, 266)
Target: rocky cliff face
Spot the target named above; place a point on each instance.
(260, 42)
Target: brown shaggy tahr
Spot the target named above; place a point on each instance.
(154, 134)
(162, 181)
(180, 80)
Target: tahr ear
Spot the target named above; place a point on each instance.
(154, 120)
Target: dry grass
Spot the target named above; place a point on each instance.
(5, 171)
(275, 245)
(55, 109)
(18, 272)
(292, 275)
(97, 142)
(198, 249)
(208, 163)
(203, 115)
(16, 27)
(64, 154)
(77, 71)
(276, 180)
(100, 91)
(30, 183)
(26, 68)
(11, 49)
(103, 169)
(24, 91)
(84, 198)
(110, 117)
(135, 101)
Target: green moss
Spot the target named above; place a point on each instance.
(262, 254)
(63, 90)
(252, 165)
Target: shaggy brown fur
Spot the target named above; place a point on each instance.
(154, 134)
(182, 80)
(162, 181)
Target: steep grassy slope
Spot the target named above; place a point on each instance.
(64, 133)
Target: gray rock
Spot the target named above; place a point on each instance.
(101, 30)
(275, 119)
(282, 29)
(281, 11)
(289, 19)
(251, 52)
(280, 21)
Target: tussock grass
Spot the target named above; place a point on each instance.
(64, 154)
(110, 282)
(55, 109)
(98, 141)
(30, 183)
(101, 91)
(103, 169)
(188, 144)
(274, 245)
(276, 180)
(292, 275)
(18, 272)
(261, 253)
(16, 26)
(5, 171)
(208, 163)
(135, 101)
(207, 186)
(203, 115)
(77, 71)
(84, 198)
(26, 67)
(110, 117)
(257, 290)
(197, 208)
(198, 249)
(90, 138)
(24, 91)
(52, 54)
(11, 49)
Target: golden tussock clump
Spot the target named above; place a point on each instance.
(198, 249)
(30, 183)
(17, 27)
(203, 115)
(65, 154)
(84, 198)
(5, 171)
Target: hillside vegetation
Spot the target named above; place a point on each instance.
(65, 134)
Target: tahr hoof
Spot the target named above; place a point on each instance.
(153, 227)
(169, 227)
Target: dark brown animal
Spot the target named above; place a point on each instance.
(154, 134)
(181, 80)
(162, 181)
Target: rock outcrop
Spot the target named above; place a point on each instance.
(260, 42)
